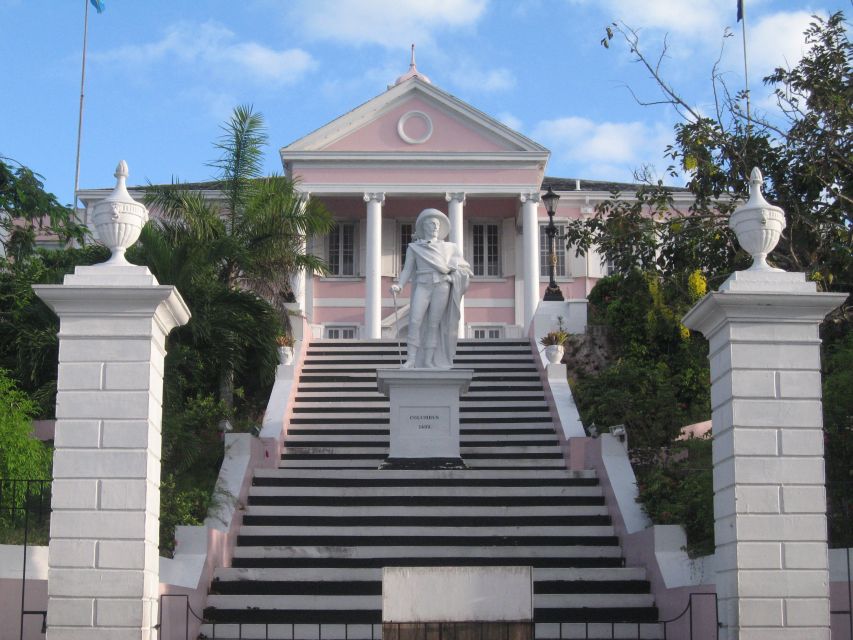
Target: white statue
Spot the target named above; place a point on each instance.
(439, 276)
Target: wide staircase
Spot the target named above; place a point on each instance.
(318, 530)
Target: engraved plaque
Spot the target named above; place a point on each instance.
(425, 421)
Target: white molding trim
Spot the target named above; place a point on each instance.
(380, 104)
(421, 157)
(401, 127)
(437, 189)
(355, 303)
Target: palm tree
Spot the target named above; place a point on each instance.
(249, 237)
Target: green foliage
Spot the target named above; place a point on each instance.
(27, 210)
(658, 381)
(22, 457)
(677, 488)
(838, 433)
(181, 505)
(28, 328)
(806, 155)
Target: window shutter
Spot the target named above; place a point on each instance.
(318, 246)
(508, 249)
(361, 247)
(576, 264)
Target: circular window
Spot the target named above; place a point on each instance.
(414, 127)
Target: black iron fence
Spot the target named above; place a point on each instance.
(25, 520)
(839, 498)
(691, 624)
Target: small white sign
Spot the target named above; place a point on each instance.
(457, 594)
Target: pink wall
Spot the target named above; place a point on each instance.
(448, 132)
(575, 288)
(10, 608)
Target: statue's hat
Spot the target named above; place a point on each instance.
(443, 222)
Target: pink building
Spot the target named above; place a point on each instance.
(416, 146)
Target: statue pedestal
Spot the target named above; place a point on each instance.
(424, 416)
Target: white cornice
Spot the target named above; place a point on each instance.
(420, 157)
(374, 108)
(320, 189)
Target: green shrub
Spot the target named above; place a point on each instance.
(678, 489)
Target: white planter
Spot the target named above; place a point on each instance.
(285, 355)
(554, 353)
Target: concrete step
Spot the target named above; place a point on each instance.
(494, 534)
(314, 574)
(372, 462)
(414, 553)
(360, 602)
(425, 511)
(411, 491)
(436, 476)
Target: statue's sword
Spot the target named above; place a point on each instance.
(397, 327)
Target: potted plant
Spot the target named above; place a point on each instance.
(554, 342)
(285, 349)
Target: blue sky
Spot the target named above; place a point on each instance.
(162, 75)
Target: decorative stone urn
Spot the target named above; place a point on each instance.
(285, 355)
(758, 224)
(119, 218)
(554, 353)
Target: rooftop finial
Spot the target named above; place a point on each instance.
(411, 73)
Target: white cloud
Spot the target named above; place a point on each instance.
(510, 120)
(776, 40)
(469, 74)
(389, 23)
(215, 47)
(696, 17)
(607, 150)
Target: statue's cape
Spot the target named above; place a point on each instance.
(446, 258)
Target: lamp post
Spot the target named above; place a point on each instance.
(552, 292)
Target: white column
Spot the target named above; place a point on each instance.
(103, 577)
(456, 203)
(298, 279)
(373, 268)
(769, 497)
(530, 260)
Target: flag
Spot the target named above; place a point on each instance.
(99, 5)
(739, 10)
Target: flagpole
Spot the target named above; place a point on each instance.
(745, 66)
(80, 113)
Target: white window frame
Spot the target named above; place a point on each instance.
(608, 267)
(487, 328)
(560, 246)
(355, 250)
(340, 327)
(469, 248)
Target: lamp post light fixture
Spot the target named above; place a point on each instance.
(552, 292)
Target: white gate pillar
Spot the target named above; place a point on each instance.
(103, 577)
(769, 496)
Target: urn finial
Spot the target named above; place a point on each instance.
(119, 218)
(758, 224)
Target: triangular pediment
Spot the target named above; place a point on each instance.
(414, 116)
